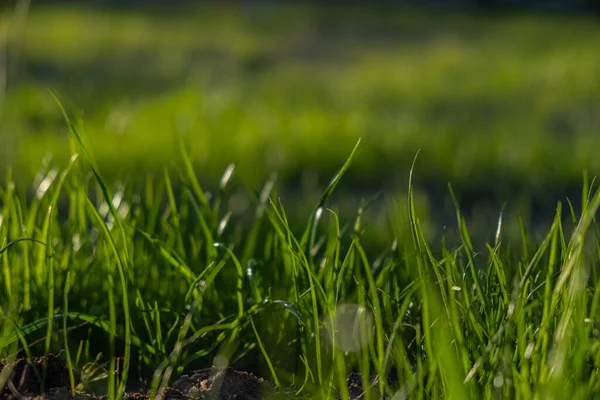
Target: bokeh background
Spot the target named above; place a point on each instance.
(502, 97)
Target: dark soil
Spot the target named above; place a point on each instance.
(212, 383)
(222, 384)
(26, 374)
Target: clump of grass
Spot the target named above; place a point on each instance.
(168, 278)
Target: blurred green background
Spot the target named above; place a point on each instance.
(504, 105)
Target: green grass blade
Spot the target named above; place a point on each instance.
(304, 241)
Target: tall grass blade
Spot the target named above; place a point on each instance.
(304, 241)
(123, 265)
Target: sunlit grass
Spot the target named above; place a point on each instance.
(166, 279)
(272, 88)
(132, 249)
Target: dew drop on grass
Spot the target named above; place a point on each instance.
(250, 270)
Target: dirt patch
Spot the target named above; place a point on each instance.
(222, 384)
(56, 394)
(25, 375)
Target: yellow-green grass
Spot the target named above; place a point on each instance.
(163, 279)
(492, 100)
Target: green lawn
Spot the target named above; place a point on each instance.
(143, 258)
(147, 284)
(492, 101)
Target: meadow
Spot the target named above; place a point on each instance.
(493, 101)
(200, 189)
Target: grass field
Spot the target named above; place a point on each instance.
(164, 282)
(139, 251)
(495, 102)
